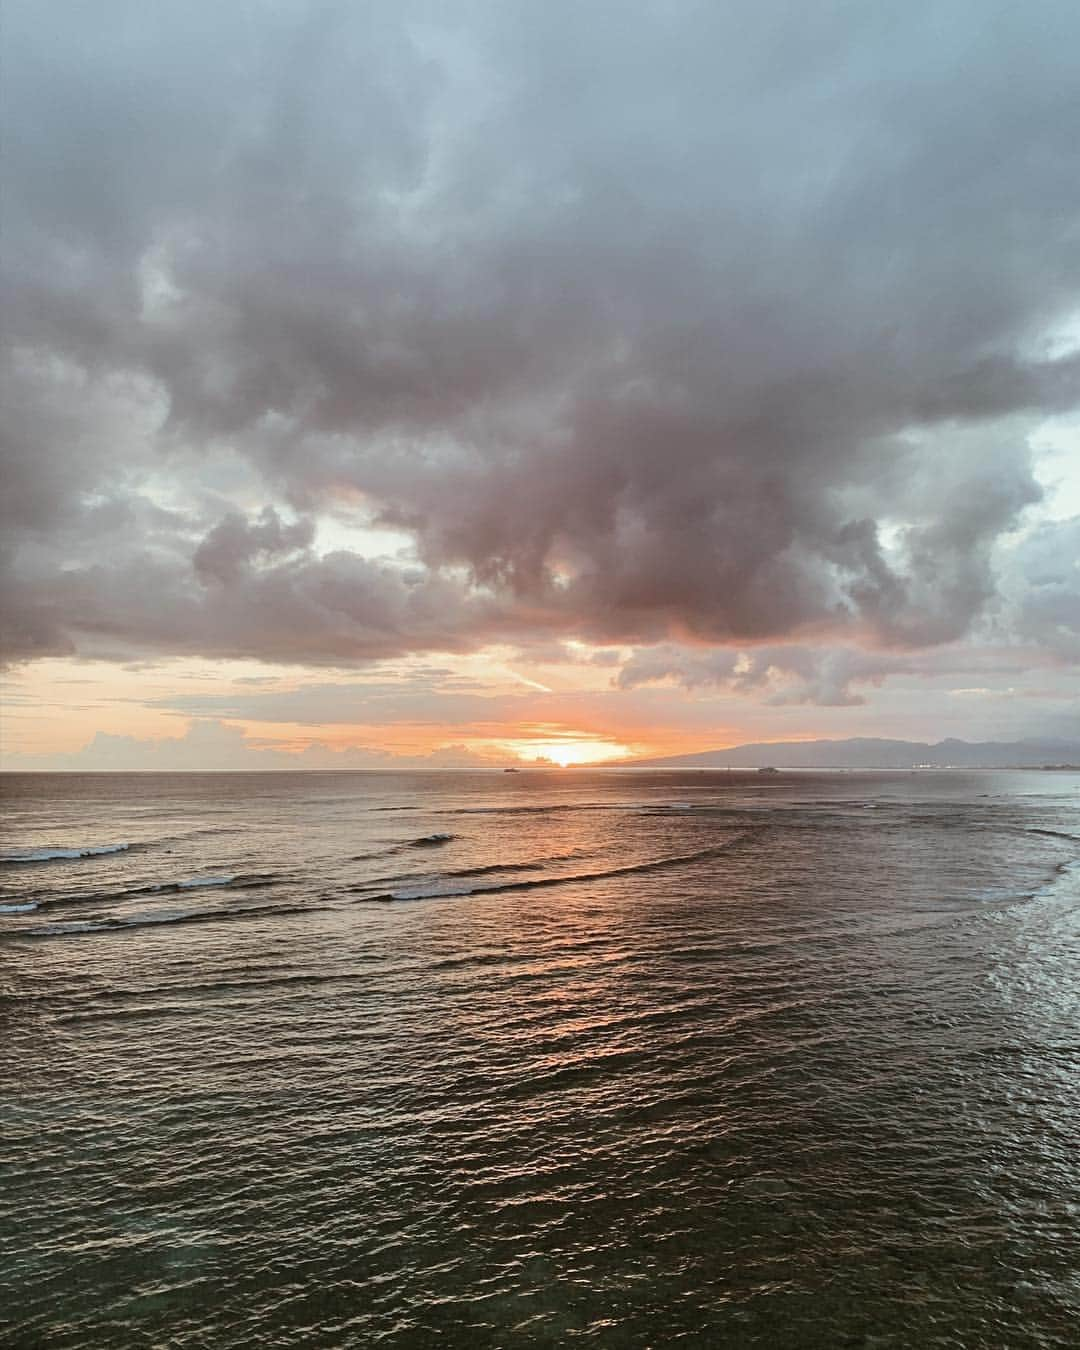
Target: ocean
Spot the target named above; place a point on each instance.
(551, 1058)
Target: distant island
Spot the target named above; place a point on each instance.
(870, 753)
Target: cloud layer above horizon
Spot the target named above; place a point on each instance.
(724, 335)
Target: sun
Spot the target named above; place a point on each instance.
(566, 750)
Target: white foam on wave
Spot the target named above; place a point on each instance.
(191, 883)
(430, 840)
(1065, 882)
(51, 854)
(19, 909)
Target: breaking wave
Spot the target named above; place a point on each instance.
(535, 865)
(444, 888)
(34, 855)
(485, 869)
(159, 918)
(232, 881)
(422, 841)
(1065, 878)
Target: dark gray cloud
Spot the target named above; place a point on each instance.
(338, 608)
(648, 321)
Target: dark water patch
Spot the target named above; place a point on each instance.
(255, 979)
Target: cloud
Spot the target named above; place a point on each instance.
(838, 677)
(213, 745)
(782, 675)
(230, 548)
(1045, 580)
(647, 323)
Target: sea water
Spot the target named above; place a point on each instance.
(485, 1060)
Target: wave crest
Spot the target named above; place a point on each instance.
(442, 887)
(33, 855)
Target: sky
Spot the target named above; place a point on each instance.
(475, 381)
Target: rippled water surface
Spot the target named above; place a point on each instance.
(626, 1059)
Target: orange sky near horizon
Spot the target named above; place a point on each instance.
(57, 707)
(499, 706)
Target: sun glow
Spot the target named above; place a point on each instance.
(567, 750)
